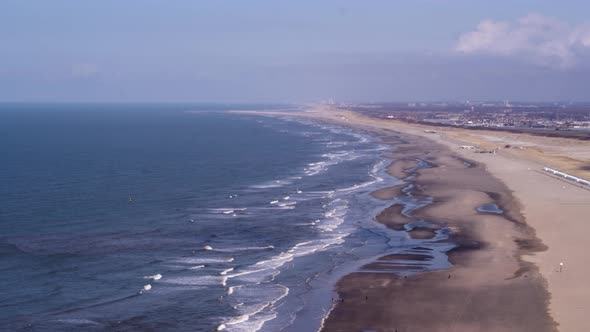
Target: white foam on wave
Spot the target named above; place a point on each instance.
(256, 277)
(204, 260)
(244, 274)
(271, 184)
(336, 144)
(78, 321)
(332, 159)
(238, 249)
(267, 269)
(338, 154)
(227, 210)
(154, 277)
(334, 217)
(329, 225)
(230, 290)
(284, 206)
(375, 179)
(255, 306)
(224, 272)
(319, 194)
(326, 315)
(207, 280)
(315, 168)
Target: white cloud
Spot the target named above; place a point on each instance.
(84, 70)
(535, 37)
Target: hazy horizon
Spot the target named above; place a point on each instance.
(214, 52)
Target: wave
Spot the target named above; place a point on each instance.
(78, 321)
(268, 268)
(197, 280)
(154, 277)
(204, 260)
(338, 144)
(226, 210)
(230, 289)
(373, 173)
(238, 249)
(271, 184)
(333, 218)
(338, 154)
(255, 306)
(332, 159)
(250, 289)
(288, 204)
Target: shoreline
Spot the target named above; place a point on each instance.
(530, 202)
(457, 188)
(553, 208)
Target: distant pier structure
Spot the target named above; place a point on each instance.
(567, 176)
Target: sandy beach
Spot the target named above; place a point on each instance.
(505, 273)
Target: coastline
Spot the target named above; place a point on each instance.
(552, 207)
(487, 288)
(528, 267)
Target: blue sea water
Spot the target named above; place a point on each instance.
(157, 218)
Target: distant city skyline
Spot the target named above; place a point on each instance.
(266, 51)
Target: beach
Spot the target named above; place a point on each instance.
(488, 288)
(505, 273)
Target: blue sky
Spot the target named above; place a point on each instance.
(279, 51)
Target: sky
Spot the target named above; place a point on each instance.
(293, 51)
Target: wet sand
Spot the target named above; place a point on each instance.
(488, 288)
(400, 167)
(388, 193)
(503, 278)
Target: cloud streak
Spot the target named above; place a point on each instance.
(84, 70)
(540, 39)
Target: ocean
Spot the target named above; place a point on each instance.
(181, 217)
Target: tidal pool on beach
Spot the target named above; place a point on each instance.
(490, 208)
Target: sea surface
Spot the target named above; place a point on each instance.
(181, 217)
